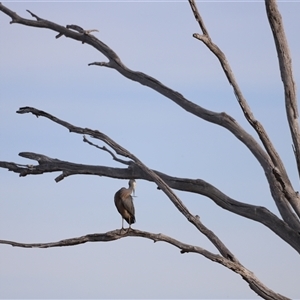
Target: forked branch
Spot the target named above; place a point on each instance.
(198, 186)
(280, 185)
(206, 39)
(284, 182)
(286, 71)
(156, 178)
(122, 161)
(281, 194)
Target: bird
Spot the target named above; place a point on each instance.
(124, 203)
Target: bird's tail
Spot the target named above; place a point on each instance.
(130, 220)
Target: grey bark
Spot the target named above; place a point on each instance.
(235, 266)
(284, 195)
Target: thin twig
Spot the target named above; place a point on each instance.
(125, 162)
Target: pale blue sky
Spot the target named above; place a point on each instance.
(155, 38)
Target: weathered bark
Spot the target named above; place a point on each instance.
(285, 65)
(47, 164)
(155, 178)
(284, 195)
(280, 186)
(281, 190)
(235, 266)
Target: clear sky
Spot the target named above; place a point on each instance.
(155, 38)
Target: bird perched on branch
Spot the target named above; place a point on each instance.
(124, 203)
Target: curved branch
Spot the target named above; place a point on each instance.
(288, 190)
(206, 39)
(49, 165)
(285, 64)
(124, 162)
(221, 119)
(116, 235)
(160, 183)
(198, 186)
(236, 267)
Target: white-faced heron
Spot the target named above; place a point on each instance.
(124, 203)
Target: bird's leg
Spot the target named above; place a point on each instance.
(122, 225)
(129, 228)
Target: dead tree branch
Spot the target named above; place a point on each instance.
(158, 180)
(124, 162)
(49, 165)
(285, 65)
(137, 170)
(206, 39)
(289, 193)
(282, 194)
(221, 119)
(114, 235)
(198, 186)
(280, 185)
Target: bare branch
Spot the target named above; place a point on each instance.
(160, 183)
(198, 18)
(285, 64)
(76, 28)
(35, 16)
(102, 64)
(274, 169)
(197, 186)
(115, 235)
(125, 162)
(49, 165)
(221, 119)
(206, 39)
(287, 192)
(279, 194)
(94, 133)
(236, 267)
